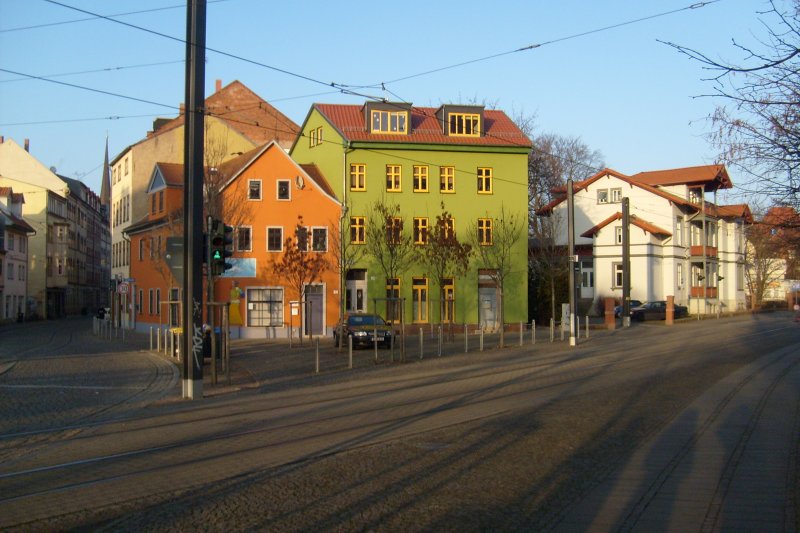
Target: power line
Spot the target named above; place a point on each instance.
(50, 24)
(69, 120)
(696, 5)
(74, 86)
(94, 71)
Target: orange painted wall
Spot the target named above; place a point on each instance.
(316, 208)
(151, 272)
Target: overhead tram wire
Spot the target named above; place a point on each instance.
(70, 120)
(60, 23)
(94, 71)
(99, 91)
(696, 5)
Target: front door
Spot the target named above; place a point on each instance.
(314, 311)
(356, 296)
(487, 307)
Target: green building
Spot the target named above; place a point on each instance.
(470, 159)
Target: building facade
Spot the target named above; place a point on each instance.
(237, 120)
(466, 160)
(681, 244)
(14, 234)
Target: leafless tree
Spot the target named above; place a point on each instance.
(757, 128)
(390, 244)
(298, 264)
(346, 256)
(494, 247)
(444, 256)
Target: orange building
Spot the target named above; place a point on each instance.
(264, 194)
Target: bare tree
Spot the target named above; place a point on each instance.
(494, 244)
(390, 244)
(345, 257)
(298, 265)
(757, 128)
(554, 160)
(444, 255)
(763, 262)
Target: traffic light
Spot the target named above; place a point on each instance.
(221, 239)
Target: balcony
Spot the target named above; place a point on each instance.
(703, 292)
(697, 251)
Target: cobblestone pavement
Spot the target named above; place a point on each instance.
(57, 373)
(596, 437)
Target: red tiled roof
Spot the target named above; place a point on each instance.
(499, 130)
(172, 173)
(733, 211)
(246, 112)
(5, 191)
(704, 174)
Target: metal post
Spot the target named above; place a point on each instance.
(316, 356)
(552, 330)
(421, 343)
(533, 332)
(466, 339)
(481, 341)
(439, 348)
(350, 352)
(521, 333)
(151, 338)
(375, 337)
(587, 326)
(158, 340)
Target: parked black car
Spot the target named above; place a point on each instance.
(362, 328)
(618, 309)
(656, 310)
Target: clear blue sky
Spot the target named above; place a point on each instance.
(619, 90)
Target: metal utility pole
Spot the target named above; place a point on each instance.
(192, 339)
(572, 261)
(626, 263)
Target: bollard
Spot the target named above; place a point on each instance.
(166, 347)
(421, 343)
(439, 348)
(350, 352)
(521, 333)
(316, 355)
(151, 338)
(587, 326)
(466, 339)
(562, 329)
(552, 330)
(158, 341)
(533, 332)
(481, 341)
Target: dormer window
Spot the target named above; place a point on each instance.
(467, 124)
(383, 121)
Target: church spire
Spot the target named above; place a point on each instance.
(105, 186)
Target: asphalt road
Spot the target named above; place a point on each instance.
(87, 440)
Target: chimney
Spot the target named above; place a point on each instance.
(2, 139)
(27, 145)
(182, 108)
(218, 86)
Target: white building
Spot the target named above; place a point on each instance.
(14, 232)
(681, 244)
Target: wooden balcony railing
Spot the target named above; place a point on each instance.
(697, 251)
(710, 292)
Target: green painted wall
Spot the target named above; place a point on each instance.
(510, 191)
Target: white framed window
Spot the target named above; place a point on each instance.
(679, 273)
(616, 274)
(274, 239)
(679, 231)
(244, 241)
(284, 191)
(319, 239)
(616, 195)
(602, 196)
(265, 306)
(618, 234)
(254, 189)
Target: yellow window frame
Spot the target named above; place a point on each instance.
(485, 231)
(358, 177)
(357, 230)
(485, 180)
(421, 230)
(464, 124)
(389, 122)
(394, 177)
(419, 300)
(420, 178)
(447, 179)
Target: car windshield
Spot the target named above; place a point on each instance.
(365, 320)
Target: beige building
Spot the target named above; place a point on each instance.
(14, 233)
(237, 120)
(66, 273)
